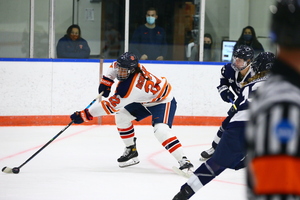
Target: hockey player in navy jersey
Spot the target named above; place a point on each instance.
(231, 150)
(139, 94)
(232, 75)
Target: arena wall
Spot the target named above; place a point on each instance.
(47, 91)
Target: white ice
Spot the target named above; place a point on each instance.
(81, 164)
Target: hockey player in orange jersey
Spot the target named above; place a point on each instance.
(138, 95)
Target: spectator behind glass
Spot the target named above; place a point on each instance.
(112, 45)
(248, 37)
(193, 53)
(208, 43)
(72, 45)
(149, 40)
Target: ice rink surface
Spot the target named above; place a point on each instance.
(82, 164)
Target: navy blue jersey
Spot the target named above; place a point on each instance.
(242, 103)
(232, 79)
(231, 151)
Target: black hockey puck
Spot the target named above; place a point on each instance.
(15, 170)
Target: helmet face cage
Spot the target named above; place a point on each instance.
(238, 64)
(263, 61)
(123, 73)
(242, 57)
(126, 65)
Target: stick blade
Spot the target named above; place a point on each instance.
(7, 170)
(185, 174)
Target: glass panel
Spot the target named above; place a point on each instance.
(192, 33)
(159, 41)
(225, 22)
(64, 17)
(89, 19)
(41, 26)
(184, 13)
(78, 25)
(14, 28)
(113, 28)
(217, 20)
(103, 23)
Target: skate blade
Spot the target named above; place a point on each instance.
(203, 159)
(130, 162)
(186, 173)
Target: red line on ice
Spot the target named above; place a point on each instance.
(37, 147)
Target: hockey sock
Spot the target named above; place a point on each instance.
(217, 137)
(195, 183)
(163, 134)
(127, 135)
(126, 130)
(187, 191)
(220, 132)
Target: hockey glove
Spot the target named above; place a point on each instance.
(226, 94)
(81, 116)
(105, 86)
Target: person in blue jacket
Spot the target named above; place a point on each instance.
(72, 45)
(149, 40)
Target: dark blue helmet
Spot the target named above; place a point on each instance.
(242, 57)
(128, 60)
(263, 61)
(126, 65)
(244, 52)
(285, 26)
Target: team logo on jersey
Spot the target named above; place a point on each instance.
(285, 131)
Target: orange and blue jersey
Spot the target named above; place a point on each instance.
(139, 90)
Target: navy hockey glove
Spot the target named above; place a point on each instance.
(81, 116)
(105, 86)
(226, 94)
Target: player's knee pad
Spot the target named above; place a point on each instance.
(162, 132)
(213, 167)
(208, 171)
(123, 118)
(204, 173)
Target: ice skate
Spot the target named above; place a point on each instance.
(207, 154)
(185, 164)
(130, 156)
(185, 193)
(185, 169)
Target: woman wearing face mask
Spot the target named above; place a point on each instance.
(149, 40)
(248, 37)
(72, 45)
(208, 42)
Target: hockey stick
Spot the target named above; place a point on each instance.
(234, 106)
(186, 174)
(16, 170)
